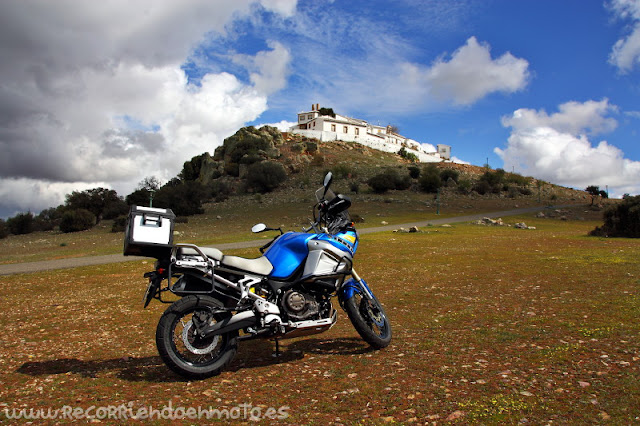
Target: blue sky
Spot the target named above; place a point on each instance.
(108, 93)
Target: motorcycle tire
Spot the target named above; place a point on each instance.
(182, 350)
(369, 320)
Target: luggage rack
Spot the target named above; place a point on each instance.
(206, 265)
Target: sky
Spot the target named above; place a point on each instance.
(108, 93)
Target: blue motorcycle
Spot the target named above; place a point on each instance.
(285, 293)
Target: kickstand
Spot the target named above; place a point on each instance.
(277, 353)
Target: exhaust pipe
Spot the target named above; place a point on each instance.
(234, 323)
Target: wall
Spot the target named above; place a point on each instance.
(371, 141)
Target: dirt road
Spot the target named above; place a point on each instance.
(23, 268)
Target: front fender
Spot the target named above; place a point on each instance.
(351, 286)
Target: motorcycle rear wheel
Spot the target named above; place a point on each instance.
(186, 353)
(369, 320)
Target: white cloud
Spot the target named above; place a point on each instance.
(269, 69)
(35, 195)
(94, 92)
(625, 53)
(472, 74)
(458, 160)
(400, 86)
(283, 125)
(556, 147)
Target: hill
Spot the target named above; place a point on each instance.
(306, 160)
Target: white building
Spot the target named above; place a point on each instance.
(327, 128)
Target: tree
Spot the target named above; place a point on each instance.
(185, 199)
(144, 191)
(595, 192)
(97, 201)
(150, 183)
(327, 111)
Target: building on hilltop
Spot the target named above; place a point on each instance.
(327, 127)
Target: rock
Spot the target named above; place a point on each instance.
(446, 225)
(414, 229)
(520, 225)
(541, 215)
(489, 221)
(384, 222)
(455, 415)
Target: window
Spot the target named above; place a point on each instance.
(345, 129)
(333, 127)
(357, 131)
(309, 116)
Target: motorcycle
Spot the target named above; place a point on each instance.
(282, 294)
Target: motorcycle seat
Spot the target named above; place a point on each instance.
(210, 252)
(260, 266)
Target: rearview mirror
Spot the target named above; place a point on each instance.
(259, 227)
(327, 181)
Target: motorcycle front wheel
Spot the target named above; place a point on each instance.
(182, 350)
(369, 320)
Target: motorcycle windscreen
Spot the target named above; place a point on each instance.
(287, 253)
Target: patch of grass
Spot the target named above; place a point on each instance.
(488, 328)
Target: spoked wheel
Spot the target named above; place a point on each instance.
(369, 320)
(183, 350)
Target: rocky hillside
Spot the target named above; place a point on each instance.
(304, 161)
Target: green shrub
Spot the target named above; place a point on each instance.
(20, 224)
(518, 179)
(4, 231)
(408, 155)
(119, 224)
(265, 176)
(447, 174)
(464, 186)
(621, 220)
(77, 220)
(388, 180)
(482, 187)
(312, 146)
(220, 190)
(342, 171)
(491, 181)
(430, 180)
(414, 172)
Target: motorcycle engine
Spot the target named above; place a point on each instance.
(299, 306)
